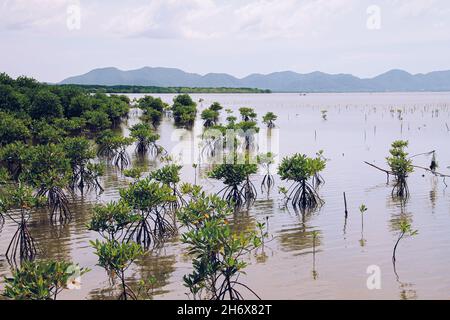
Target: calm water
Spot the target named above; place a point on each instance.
(360, 127)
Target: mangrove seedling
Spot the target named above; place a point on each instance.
(116, 257)
(266, 160)
(42, 280)
(400, 166)
(362, 210)
(317, 179)
(299, 169)
(285, 193)
(405, 230)
(269, 119)
(315, 238)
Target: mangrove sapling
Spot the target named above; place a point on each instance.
(116, 257)
(113, 147)
(153, 109)
(266, 160)
(152, 201)
(80, 153)
(17, 204)
(12, 158)
(146, 139)
(217, 251)
(405, 230)
(184, 110)
(92, 175)
(201, 208)
(215, 106)
(400, 166)
(112, 219)
(42, 280)
(239, 189)
(285, 193)
(247, 130)
(121, 158)
(209, 117)
(213, 138)
(269, 119)
(299, 168)
(247, 114)
(170, 176)
(47, 169)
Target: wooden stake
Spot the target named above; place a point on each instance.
(345, 203)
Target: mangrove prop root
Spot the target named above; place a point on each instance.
(122, 159)
(400, 189)
(304, 196)
(22, 246)
(151, 230)
(249, 191)
(57, 203)
(267, 183)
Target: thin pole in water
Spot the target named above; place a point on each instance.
(345, 204)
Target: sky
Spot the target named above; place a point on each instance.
(54, 39)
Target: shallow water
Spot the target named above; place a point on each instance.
(359, 127)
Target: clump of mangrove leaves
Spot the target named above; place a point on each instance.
(153, 201)
(42, 280)
(239, 189)
(146, 139)
(300, 169)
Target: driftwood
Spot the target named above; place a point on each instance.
(388, 173)
(435, 173)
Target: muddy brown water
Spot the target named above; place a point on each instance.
(359, 127)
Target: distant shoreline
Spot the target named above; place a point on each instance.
(153, 89)
(124, 89)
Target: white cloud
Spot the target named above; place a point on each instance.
(32, 14)
(167, 19)
(213, 19)
(289, 18)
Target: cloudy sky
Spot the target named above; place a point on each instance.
(53, 39)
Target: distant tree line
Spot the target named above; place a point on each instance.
(154, 89)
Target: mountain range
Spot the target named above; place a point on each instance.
(286, 81)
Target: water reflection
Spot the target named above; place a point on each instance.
(298, 237)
